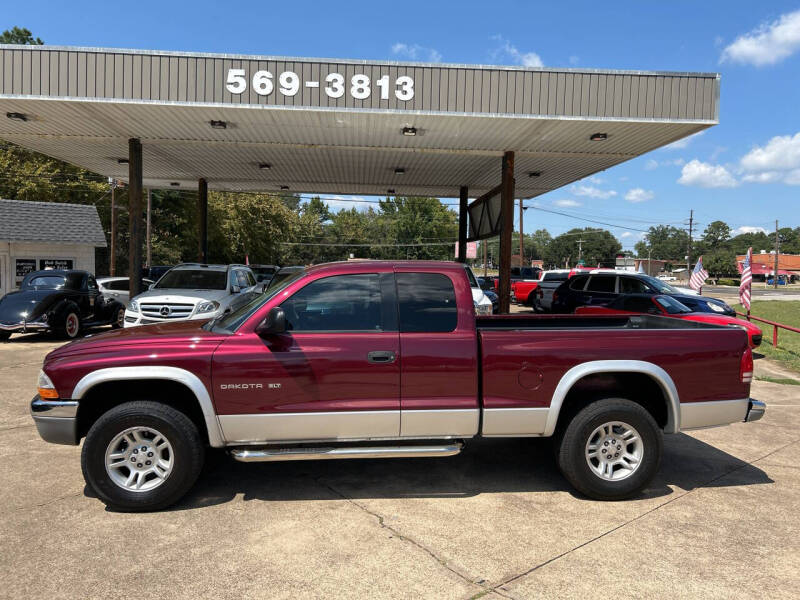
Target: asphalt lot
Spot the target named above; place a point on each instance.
(722, 520)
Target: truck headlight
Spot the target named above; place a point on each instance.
(133, 306)
(207, 307)
(45, 387)
(715, 307)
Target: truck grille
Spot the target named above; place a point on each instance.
(167, 310)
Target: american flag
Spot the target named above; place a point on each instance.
(747, 279)
(699, 275)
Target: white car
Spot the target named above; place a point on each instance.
(116, 288)
(483, 306)
(193, 291)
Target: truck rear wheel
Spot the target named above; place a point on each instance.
(142, 456)
(611, 449)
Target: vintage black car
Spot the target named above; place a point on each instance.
(63, 302)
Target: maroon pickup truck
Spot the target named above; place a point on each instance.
(383, 360)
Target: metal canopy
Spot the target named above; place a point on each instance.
(82, 105)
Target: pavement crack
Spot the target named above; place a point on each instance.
(48, 502)
(17, 427)
(403, 537)
(638, 517)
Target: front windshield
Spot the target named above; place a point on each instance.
(46, 282)
(471, 276)
(233, 320)
(194, 279)
(663, 288)
(281, 276)
(672, 306)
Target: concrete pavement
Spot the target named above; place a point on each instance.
(721, 520)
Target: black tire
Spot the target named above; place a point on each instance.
(572, 446)
(175, 426)
(69, 322)
(118, 318)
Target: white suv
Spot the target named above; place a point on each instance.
(192, 291)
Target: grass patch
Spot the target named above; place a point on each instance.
(777, 380)
(788, 313)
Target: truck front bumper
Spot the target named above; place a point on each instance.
(56, 420)
(755, 410)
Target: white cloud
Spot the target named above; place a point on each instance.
(776, 162)
(337, 203)
(683, 142)
(592, 192)
(626, 234)
(748, 229)
(639, 195)
(416, 52)
(567, 203)
(767, 44)
(574, 60)
(508, 52)
(706, 175)
(651, 164)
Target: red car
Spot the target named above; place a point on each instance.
(669, 307)
(374, 359)
(524, 291)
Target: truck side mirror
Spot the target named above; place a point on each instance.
(235, 289)
(273, 324)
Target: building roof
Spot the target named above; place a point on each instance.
(790, 262)
(57, 222)
(266, 123)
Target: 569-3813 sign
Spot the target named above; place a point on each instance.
(289, 84)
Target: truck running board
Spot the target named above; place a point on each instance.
(327, 453)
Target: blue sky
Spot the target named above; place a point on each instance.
(745, 171)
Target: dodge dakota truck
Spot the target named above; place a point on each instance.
(383, 360)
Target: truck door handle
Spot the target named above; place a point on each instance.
(381, 356)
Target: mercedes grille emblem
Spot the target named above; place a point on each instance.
(165, 311)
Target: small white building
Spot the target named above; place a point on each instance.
(41, 235)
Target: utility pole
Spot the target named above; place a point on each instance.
(689, 246)
(149, 264)
(777, 250)
(112, 267)
(580, 250)
(521, 238)
(485, 266)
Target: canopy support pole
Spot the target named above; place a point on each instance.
(462, 223)
(506, 230)
(202, 221)
(135, 217)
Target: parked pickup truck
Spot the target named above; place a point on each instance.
(380, 360)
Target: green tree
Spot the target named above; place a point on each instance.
(597, 248)
(716, 234)
(757, 240)
(19, 35)
(720, 263)
(664, 243)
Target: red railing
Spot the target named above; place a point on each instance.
(775, 326)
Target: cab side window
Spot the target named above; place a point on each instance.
(91, 284)
(338, 303)
(241, 278)
(602, 283)
(578, 283)
(631, 285)
(427, 302)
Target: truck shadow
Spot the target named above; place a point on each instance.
(485, 466)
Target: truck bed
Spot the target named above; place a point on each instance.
(545, 322)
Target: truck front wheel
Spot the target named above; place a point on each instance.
(611, 449)
(142, 456)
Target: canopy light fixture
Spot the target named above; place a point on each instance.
(409, 131)
(15, 116)
(218, 124)
(264, 166)
(390, 191)
(399, 171)
(534, 174)
(122, 161)
(284, 187)
(598, 137)
(175, 184)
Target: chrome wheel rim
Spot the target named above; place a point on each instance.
(614, 451)
(139, 459)
(72, 325)
(121, 317)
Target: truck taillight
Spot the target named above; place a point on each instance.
(746, 366)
